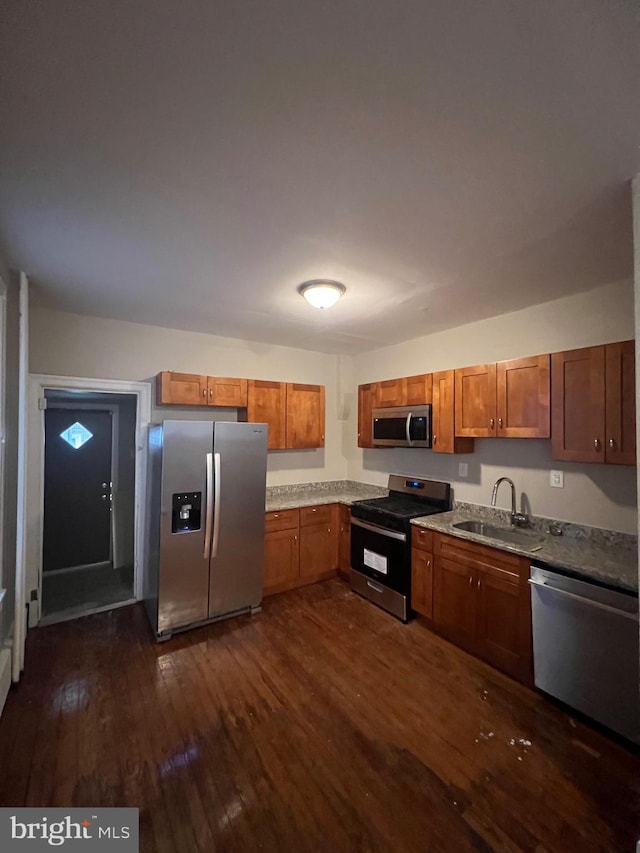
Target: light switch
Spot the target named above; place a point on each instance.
(463, 469)
(556, 479)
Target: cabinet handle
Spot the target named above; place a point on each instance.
(478, 583)
(492, 422)
(470, 580)
(612, 443)
(204, 392)
(500, 423)
(276, 515)
(428, 563)
(596, 443)
(295, 538)
(211, 392)
(435, 439)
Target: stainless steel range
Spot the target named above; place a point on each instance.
(381, 540)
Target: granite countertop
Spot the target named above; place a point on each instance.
(589, 552)
(314, 494)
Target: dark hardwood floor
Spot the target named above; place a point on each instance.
(322, 724)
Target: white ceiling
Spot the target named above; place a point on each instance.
(187, 163)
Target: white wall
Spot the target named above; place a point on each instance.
(72, 345)
(598, 495)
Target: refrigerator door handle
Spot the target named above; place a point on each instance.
(209, 508)
(216, 509)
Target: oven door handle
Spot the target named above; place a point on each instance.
(408, 429)
(375, 528)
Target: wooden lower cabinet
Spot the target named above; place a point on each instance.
(481, 602)
(301, 547)
(344, 540)
(422, 571)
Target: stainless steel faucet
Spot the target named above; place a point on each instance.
(518, 519)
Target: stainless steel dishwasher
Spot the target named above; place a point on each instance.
(586, 645)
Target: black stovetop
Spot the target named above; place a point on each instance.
(397, 510)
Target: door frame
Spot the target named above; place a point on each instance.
(38, 383)
(61, 405)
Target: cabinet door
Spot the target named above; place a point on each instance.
(454, 602)
(280, 560)
(317, 552)
(442, 412)
(503, 625)
(266, 403)
(305, 416)
(577, 405)
(620, 403)
(523, 389)
(181, 389)
(418, 389)
(391, 392)
(366, 397)
(475, 401)
(226, 392)
(344, 540)
(422, 582)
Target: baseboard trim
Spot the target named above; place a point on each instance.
(5, 676)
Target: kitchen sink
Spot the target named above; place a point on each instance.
(504, 534)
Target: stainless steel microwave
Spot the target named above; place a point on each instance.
(402, 426)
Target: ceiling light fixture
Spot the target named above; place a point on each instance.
(322, 292)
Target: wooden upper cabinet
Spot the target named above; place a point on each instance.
(523, 397)
(620, 403)
(267, 403)
(181, 389)
(391, 392)
(226, 392)
(475, 408)
(509, 399)
(366, 402)
(593, 404)
(444, 439)
(418, 390)
(305, 416)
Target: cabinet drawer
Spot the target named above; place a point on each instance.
(282, 519)
(421, 538)
(472, 555)
(316, 515)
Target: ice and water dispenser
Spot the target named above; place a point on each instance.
(186, 512)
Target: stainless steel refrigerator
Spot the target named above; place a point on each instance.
(206, 522)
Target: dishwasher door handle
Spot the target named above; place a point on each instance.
(583, 600)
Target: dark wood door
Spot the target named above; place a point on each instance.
(523, 397)
(391, 392)
(475, 409)
(183, 389)
(223, 391)
(344, 540)
(454, 601)
(577, 405)
(503, 625)
(305, 416)
(366, 398)
(620, 403)
(418, 389)
(422, 582)
(77, 488)
(280, 560)
(266, 403)
(443, 416)
(317, 551)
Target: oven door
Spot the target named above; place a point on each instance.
(381, 555)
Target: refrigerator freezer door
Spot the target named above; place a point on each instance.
(183, 582)
(240, 471)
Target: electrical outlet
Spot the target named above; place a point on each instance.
(556, 479)
(463, 469)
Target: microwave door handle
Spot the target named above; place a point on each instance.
(408, 429)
